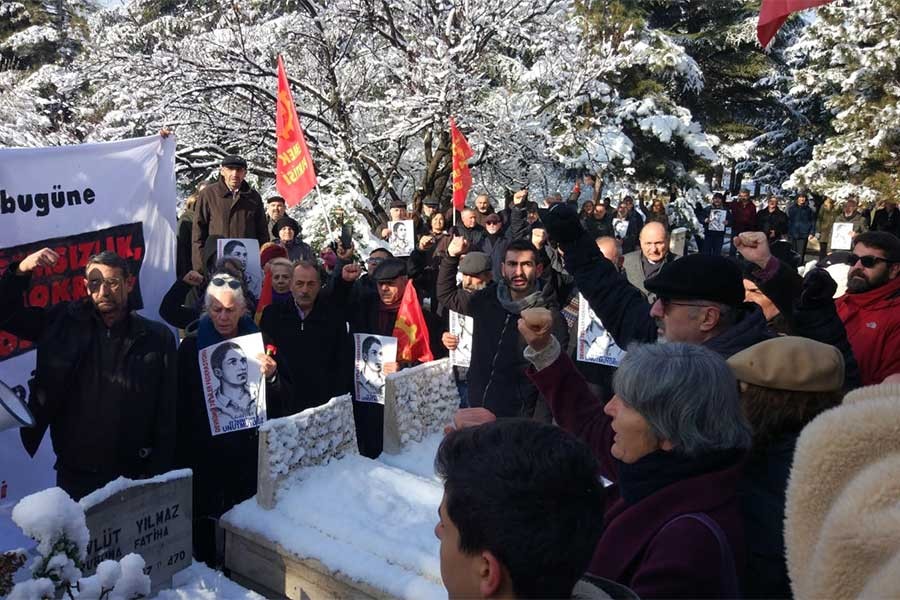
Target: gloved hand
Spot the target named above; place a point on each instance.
(562, 223)
(818, 288)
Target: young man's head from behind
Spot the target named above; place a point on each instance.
(522, 510)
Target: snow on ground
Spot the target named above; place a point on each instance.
(365, 519)
(199, 582)
(417, 458)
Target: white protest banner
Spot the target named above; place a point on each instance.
(78, 200)
(233, 387)
(371, 352)
(595, 345)
(462, 327)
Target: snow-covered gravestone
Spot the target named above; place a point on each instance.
(677, 241)
(150, 517)
(312, 437)
(418, 401)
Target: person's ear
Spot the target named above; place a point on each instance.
(129, 284)
(490, 575)
(894, 271)
(217, 373)
(709, 318)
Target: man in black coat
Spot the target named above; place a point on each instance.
(229, 208)
(700, 299)
(772, 220)
(105, 377)
(496, 376)
(310, 337)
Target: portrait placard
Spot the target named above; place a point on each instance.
(371, 352)
(247, 252)
(462, 327)
(841, 236)
(717, 219)
(595, 344)
(403, 237)
(233, 387)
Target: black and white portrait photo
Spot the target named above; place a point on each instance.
(372, 351)
(595, 344)
(403, 238)
(247, 252)
(235, 398)
(717, 219)
(462, 327)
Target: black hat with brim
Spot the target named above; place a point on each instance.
(286, 221)
(233, 160)
(389, 269)
(699, 277)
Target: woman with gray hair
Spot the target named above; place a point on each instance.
(224, 465)
(672, 440)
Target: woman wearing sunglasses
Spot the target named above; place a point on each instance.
(224, 465)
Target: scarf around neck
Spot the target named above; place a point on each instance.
(533, 300)
(660, 469)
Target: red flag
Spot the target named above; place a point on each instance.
(265, 296)
(462, 178)
(295, 175)
(410, 329)
(773, 14)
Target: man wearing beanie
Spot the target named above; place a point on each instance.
(229, 208)
(699, 299)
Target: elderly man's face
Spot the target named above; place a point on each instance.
(743, 196)
(468, 218)
(305, 287)
(391, 291)
(482, 204)
(275, 210)
(654, 242)
(108, 288)
(233, 176)
(473, 283)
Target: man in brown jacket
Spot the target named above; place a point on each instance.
(229, 208)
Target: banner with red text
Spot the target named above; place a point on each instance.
(462, 178)
(78, 200)
(295, 176)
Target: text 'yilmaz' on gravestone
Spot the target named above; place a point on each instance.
(150, 517)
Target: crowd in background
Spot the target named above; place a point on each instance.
(696, 435)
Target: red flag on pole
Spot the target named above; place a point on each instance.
(462, 178)
(265, 296)
(410, 329)
(773, 14)
(295, 175)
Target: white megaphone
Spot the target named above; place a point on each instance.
(13, 410)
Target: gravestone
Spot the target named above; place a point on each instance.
(677, 240)
(418, 401)
(150, 517)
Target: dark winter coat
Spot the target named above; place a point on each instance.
(773, 223)
(497, 373)
(639, 547)
(626, 314)
(229, 215)
(885, 220)
(183, 262)
(762, 497)
(106, 419)
(600, 227)
(312, 351)
(801, 221)
(860, 223)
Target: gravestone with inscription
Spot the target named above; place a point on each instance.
(150, 517)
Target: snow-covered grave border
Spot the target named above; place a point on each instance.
(417, 402)
(312, 437)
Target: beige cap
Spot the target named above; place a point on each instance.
(790, 363)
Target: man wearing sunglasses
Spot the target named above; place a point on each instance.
(870, 309)
(104, 379)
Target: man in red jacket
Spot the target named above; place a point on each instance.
(870, 309)
(743, 216)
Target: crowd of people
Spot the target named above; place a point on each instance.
(694, 437)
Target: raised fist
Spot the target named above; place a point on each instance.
(351, 272)
(458, 246)
(45, 257)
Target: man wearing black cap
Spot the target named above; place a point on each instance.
(375, 314)
(699, 299)
(430, 206)
(229, 208)
(275, 209)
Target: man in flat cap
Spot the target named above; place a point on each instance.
(275, 209)
(699, 299)
(229, 208)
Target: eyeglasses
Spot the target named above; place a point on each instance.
(222, 281)
(113, 283)
(867, 261)
(374, 261)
